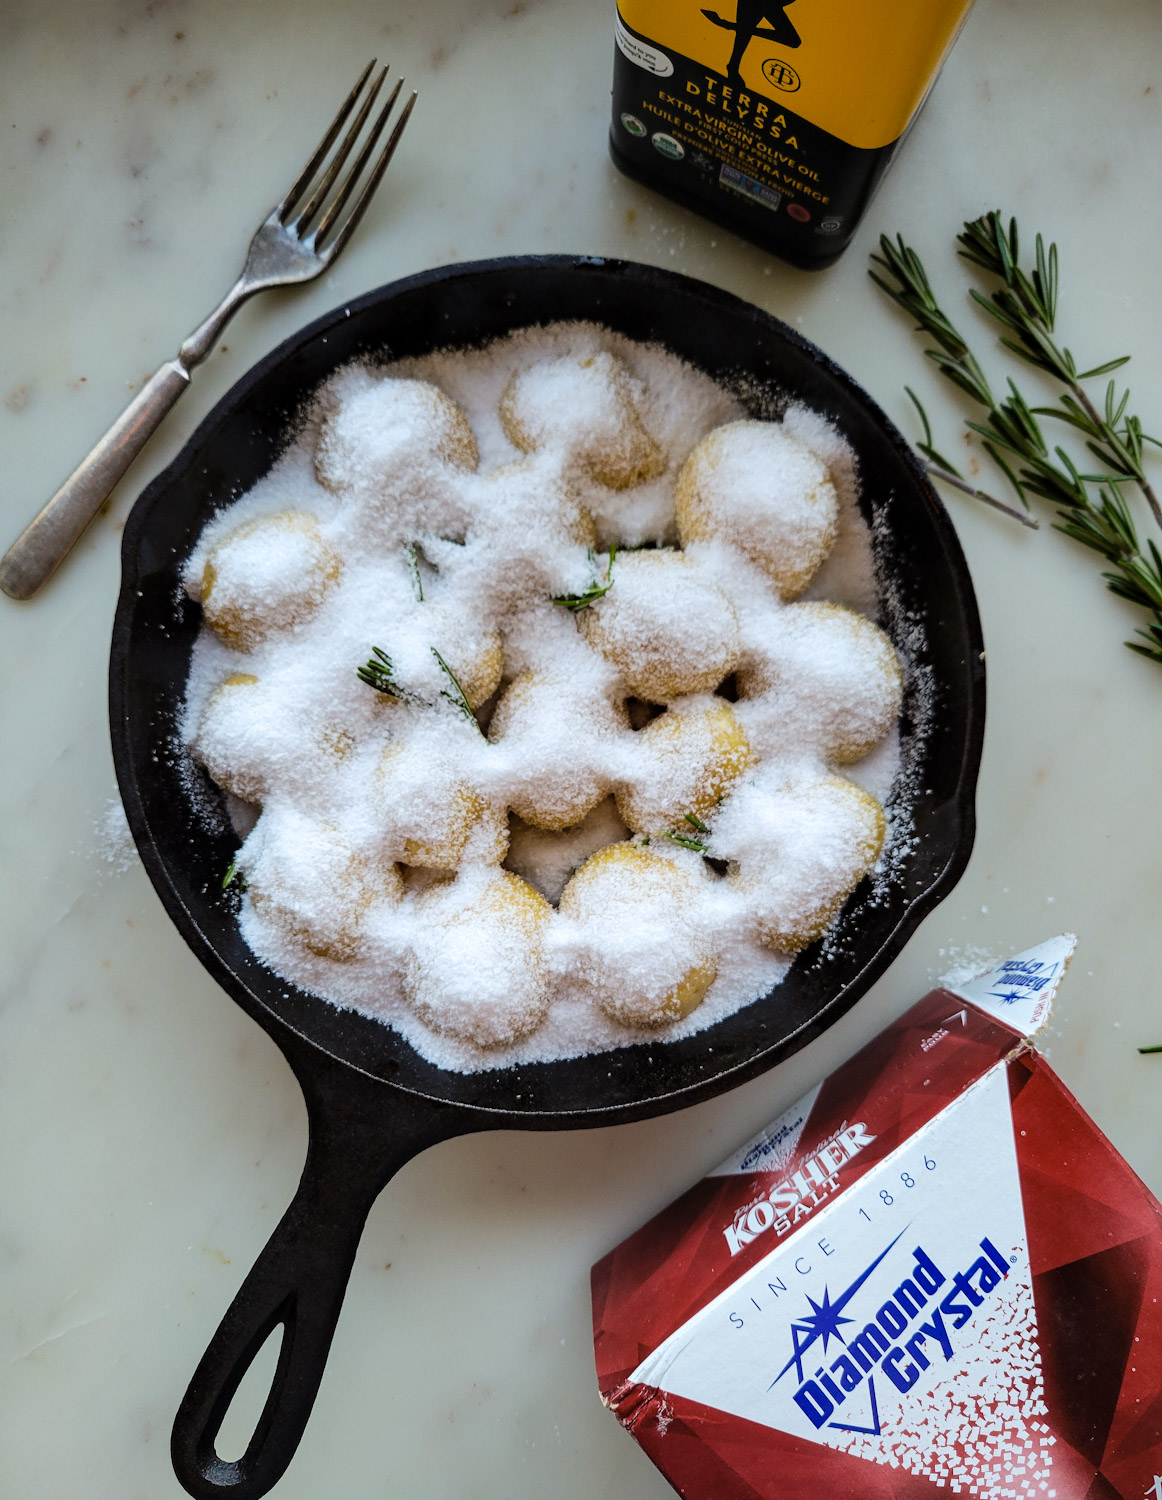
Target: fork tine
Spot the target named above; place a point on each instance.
(345, 188)
(367, 192)
(303, 218)
(301, 182)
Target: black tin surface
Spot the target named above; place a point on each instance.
(807, 221)
(373, 1101)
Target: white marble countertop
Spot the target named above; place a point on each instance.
(150, 1134)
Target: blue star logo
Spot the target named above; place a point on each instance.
(824, 1319)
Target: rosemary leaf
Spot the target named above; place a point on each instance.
(596, 590)
(1027, 306)
(379, 673)
(454, 693)
(413, 565)
(926, 447)
(686, 842)
(1112, 364)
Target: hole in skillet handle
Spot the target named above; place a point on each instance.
(230, 1473)
(240, 1423)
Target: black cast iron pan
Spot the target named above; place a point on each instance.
(373, 1102)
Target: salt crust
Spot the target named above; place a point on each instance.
(754, 485)
(271, 574)
(351, 781)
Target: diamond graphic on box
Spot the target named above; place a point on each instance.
(897, 1327)
(773, 1148)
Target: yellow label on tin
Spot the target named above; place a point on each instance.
(858, 69)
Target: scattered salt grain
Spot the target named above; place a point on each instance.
(115, 840)
(966, 964)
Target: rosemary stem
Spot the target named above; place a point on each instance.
(1152, 499)
(1096, 418)
(1091, 410)
(967, 489)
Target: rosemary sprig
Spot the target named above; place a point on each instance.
(574, 603)
(454, 693)
(939, 467)
(234, 876)
(1012, 437)
(687, 843)
(413, 566)
(1026, 307)
(680, 837)
(1146, 1051)
(380, 674)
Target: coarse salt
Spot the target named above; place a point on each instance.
(436, 509)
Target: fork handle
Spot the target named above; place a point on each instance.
(51, 535)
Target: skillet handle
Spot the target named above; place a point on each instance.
(298, 1281)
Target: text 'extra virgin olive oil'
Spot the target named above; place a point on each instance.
(776, 118)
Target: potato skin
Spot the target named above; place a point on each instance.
(669, 631)
(842, 666)
(628, 878)
(787, 528)
(621, 455)
(791, 925)
(716, 752)
(497, 991)
(242, 615)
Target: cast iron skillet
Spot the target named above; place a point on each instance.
(373, 1102)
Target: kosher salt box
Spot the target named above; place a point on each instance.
(933, 1272)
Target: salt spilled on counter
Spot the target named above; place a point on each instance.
(623, 735)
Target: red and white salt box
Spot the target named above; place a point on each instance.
(934, 1272)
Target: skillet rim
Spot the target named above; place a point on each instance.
(294, 1038)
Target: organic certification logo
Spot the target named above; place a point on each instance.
(782, 75)
(669, 147)
(633, 125)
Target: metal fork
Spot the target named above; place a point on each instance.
(297, 241)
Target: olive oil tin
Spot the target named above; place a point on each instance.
(777, 120)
